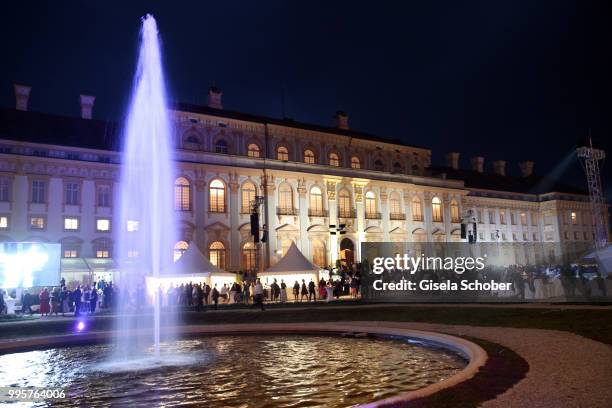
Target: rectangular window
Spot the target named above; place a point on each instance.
(514, 237)
(479, 216)
(576, 238)
(534, 219)
(72, 193)
(4, 222)
(102, 225)
(71, 223)
(104, 196)
(535, 236)
(102, 253)
(512, 218)
(132, 225)
(502, 217)
(491, 217)
(37, 223)
(585, 235)
(493, 237)
(71, 253)
(574, 217)
(525, 236)
(523, 218)
(5, 189)
(417, 210)
(38, 191)
(566, 235)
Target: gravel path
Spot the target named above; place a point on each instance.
(565, 370)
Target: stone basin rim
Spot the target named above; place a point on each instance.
(472, 352)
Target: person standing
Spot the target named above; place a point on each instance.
(55, 303)
(296, 291)
(304, 293)
(246, 292)
(76, 296)
(258, 295)
(283, 292)
(44, 298)
(215, 296)
(312, 291)
(93, 300)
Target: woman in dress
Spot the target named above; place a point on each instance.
(43, 296)
(55, 303)
(304, 293)
(283, 291)
(296, 291)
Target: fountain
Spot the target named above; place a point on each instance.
(146, 230)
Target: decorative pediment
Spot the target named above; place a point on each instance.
(217, 226)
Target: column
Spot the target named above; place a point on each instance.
(447, 216)
(270, 219)
(427, 215)
(234, 214)
(200, 209)
(303, 214)
(384, 210)
(359, 208)
(332, 207)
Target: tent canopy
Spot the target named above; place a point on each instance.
(293, 261)
(193, 262)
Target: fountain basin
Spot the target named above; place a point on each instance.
(451, 359)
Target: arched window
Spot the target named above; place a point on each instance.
(221, 146)
(415, 169)
(216, 252)
(285, 200)
(179, 249)
(253, 150)
(397, 167)
(182, 194)
(436, 209)
(370, 205)
(192, 139)
(378, 165)
(345, 209)
(395, 204)
(315, 207)
(319, 253)
(102, 247)
(355, 162)
(249, 252)
(216, 193)
(454, 210)
(282, 153)
(417, 209)
(334, 160)
(249, 192)
(309, 156)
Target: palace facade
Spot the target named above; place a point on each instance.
(58, 178)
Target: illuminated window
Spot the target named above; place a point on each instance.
(523, 218)
(319, 254)
(574, 217)
(132, 253)
(253, 150)
(216, 193)
(5, 189)
(72, 193)
(370, 205)
(285, 197)
(182, 194)
(334, 160)
(37, 223)
(344, 203)
(309, 156)
(216, 252)
(378, 165)
(104, 196)
(282, 153)
(249, 252)
(395, 203)
(454, 209)
(417, 210)
(102, 248)
(71, 223)
(179, 249)
(316, 201)
(248, 197)
(221, 146)
(38, 191)
(502, 217)
(4, 223)
(71, 253)
(103, 225)
(355, 162)
(133, 225)
(436, 209)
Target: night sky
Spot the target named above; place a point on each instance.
(511, 80)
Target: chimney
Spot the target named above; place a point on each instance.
(342, 120)
(452, 160)
(214, 97)
(87, 103)
(499, 167)
(526, 168)
(478, 164)
(22, 94)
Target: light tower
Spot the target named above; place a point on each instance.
(590, 158)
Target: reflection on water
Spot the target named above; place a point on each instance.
(238, 371)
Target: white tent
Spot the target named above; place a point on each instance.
(193, 262)
(291, 267)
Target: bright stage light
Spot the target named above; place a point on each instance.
(27, 264)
